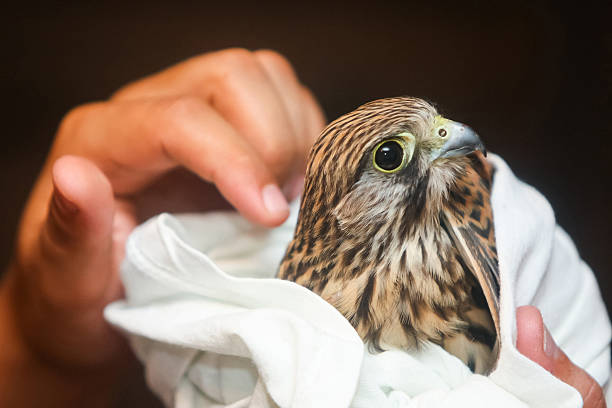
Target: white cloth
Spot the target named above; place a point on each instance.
(213, 330)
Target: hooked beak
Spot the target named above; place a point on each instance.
(461, 141)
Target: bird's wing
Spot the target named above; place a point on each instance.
(469, 224)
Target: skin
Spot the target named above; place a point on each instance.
(227, 127)
(535, 342)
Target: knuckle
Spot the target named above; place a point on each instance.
(175, 112)
(232, 65)
(317, 116)
(129, 91)
(237, 59)
(307, 93)
(54, 289)
(276, 61)
(173, 122)
(54, 296)
(278, 154)
(594, 394)
(75, 119)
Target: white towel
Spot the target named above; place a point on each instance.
(213, 328)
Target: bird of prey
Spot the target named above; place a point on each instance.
(395, 230)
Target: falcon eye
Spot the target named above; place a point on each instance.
(390, 156)
(442, 132)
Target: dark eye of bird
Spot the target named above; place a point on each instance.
(389, 155)
(442, 132)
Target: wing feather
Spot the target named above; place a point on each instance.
(469, 225)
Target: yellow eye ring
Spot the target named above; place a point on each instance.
(391, 155)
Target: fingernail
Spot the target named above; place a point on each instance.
(274, 200)
(65, 206)
(549, 345)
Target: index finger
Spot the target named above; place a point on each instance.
(134, 142)
(263, 103)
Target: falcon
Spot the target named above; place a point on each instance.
(395, 230)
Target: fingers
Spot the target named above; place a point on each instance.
(238, 119)
(535, 342)
(315, 118)
(205, 143)
(306, 116)
(316, 121)
(241, 91)
(143, 139)
(257, 93)
(289, 92)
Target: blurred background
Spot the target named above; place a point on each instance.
(533, 78)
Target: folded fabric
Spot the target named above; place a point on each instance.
(214, 328)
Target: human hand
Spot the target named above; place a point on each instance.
(239, 120)
(535, 342)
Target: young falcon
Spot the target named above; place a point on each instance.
(395, 230)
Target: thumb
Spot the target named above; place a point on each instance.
(74, 266)
(68, 276)
(535, 342)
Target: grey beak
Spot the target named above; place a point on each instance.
(462, 140)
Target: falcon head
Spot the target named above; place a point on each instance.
(390, 160)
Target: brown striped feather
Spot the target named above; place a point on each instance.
(375, 246)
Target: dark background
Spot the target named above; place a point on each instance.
(534, 79)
